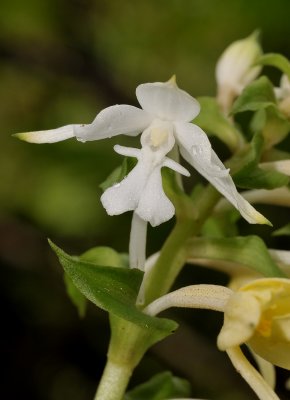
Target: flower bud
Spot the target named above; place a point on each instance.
(283, 95)
(235, 69)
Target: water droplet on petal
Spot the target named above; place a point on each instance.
(197, 150)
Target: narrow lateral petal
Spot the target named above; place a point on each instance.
(196, 149)
(168, 162)
(115, 120)
(124, 196)
(167, 101)
(154, 206)
(127, 151)
(49, 136)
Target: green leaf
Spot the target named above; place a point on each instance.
(113, 289)
(162, 386)
(259, 96)
(284, 231)
(104, 256)
(213, 121)
(77, 298)
(276, 60)
(274, 154)
(256, 96)
(276, 128)
(221, 225)
(261, 179)
(249, 175)
(119, 173)
(273, 124)
(249, 251)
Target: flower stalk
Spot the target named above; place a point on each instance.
(173, 255)
(251, 375)
(137, 244)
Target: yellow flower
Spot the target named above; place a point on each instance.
(259, 314)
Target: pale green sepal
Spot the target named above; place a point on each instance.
(213, 121)
(161, 386)
(113, 289)
(257, 95)
(275, 60)
(249, 251)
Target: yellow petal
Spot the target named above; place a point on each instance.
(276, 352)
(242, 315)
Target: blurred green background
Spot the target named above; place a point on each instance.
(62, 62)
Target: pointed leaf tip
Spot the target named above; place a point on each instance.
(113, 289)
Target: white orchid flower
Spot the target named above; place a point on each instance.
(165, 117)
(141, 190)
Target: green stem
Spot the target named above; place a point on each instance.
(128, 341)
(173, 254)
(114, 381)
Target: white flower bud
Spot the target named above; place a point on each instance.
(235, 69)
(283, 95)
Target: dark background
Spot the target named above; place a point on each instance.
(62, 62)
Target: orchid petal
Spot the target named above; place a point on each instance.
(196, 149)
(154, 206)
(175, 166)
(49, 136)
(142, 189)
(242, 316)
(127, 151)
(115, 120)
(124, 196)
(167, 101)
